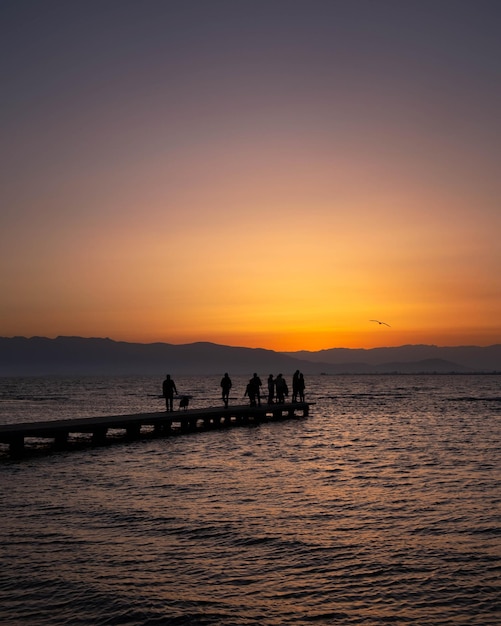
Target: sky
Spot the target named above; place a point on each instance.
(260, 173)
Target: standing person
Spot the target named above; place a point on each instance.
(271, 389)
(300, 387)
(168, 390)
(250, 391)
(226, 385)
(256, 383)
(295, 389)
(282, 389)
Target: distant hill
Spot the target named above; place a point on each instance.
(435, 366)
(21, 356)
(431, 358)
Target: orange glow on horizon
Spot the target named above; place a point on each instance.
(293, 342)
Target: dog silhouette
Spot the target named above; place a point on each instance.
(183, 403)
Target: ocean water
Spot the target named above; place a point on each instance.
(381, 507)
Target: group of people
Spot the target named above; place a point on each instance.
(277, 388)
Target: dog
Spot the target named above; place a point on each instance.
(183, 403)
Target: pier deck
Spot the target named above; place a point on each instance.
(160, 423)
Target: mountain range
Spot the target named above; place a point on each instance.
(37, 356)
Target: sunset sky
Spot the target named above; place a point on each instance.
(262, 173)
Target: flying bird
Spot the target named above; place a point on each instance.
(378, 322)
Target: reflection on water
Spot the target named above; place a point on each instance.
(382, 507)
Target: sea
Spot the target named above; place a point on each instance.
(382, 506)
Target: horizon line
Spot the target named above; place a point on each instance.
(428, 345)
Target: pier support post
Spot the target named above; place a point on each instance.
(61, 439)
(163, 428)
(99, 435)
(16, 445)
(133, 431)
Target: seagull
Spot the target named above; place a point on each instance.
(378, 322)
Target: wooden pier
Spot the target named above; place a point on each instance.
(141, 424)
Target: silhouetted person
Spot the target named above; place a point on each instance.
(300, 387)
(282, 389)
(250, 391)
(271, 389)
(168, 390)
(295, 380)
(225, 387)
(256, 383)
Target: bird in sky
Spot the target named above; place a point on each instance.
(378, 322)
